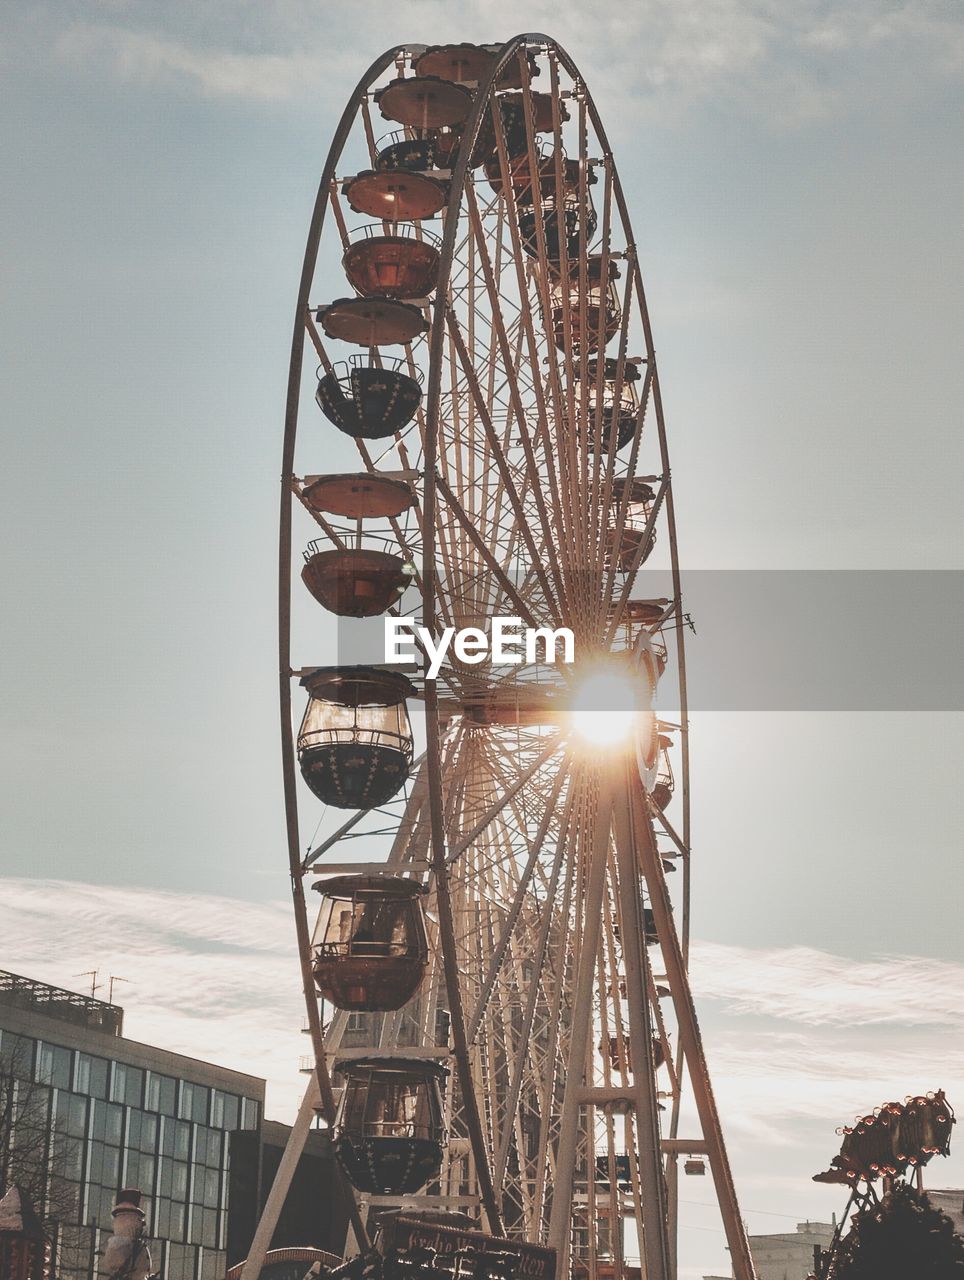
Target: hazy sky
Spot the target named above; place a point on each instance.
(794, 173)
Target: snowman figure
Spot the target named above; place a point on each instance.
(127, 1256)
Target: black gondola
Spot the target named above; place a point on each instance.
(389, 1134)
(572, 220)
(366, 400)
(435, 148)
(604, 389)
(355, 741)
(405, 154)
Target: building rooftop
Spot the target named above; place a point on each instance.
(802, 1229)
(65, 1006)
(34, 1009)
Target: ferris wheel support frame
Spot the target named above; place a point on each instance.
(656, 1246)
(691, 1040)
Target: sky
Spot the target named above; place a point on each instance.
(794, 172)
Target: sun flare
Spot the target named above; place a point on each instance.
(604, 708)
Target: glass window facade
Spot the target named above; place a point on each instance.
(161, 1094)
(250, 1113)
(193, 1102)
(111, 1125)
(225, 1110)
(91, 1075)
(126, 1084)
(53, 1065)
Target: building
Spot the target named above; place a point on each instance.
(90, 1111)
(788, 1255)
(314, 1214)
(951, 1203)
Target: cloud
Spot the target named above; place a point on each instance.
(803, 985)
(149, 58)
(797, 59)
(795, 1034)
(766, 1082)
(213, 978)
(791, 1032)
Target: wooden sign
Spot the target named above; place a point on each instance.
(520, 1260)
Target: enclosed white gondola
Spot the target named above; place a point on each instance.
(389, 1132)
(355, 740)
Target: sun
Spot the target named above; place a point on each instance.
(604, 708)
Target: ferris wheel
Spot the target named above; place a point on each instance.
(506, 1034)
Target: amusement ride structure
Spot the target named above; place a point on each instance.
(882, 1157)
(506, 1047)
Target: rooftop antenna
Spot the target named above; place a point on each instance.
(94, 984)
(110, 986)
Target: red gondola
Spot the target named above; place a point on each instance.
(370, 950)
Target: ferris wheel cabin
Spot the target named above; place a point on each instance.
(355, 582)
(623, 406)
(665, 781)
(389, 1133)
(624, 541)
(355, 741)
(599, 300)
(424, 102)
(361, 576)
(370, 950)
(401, 265)
(368, 400)
(576, 225)
(395, 196)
